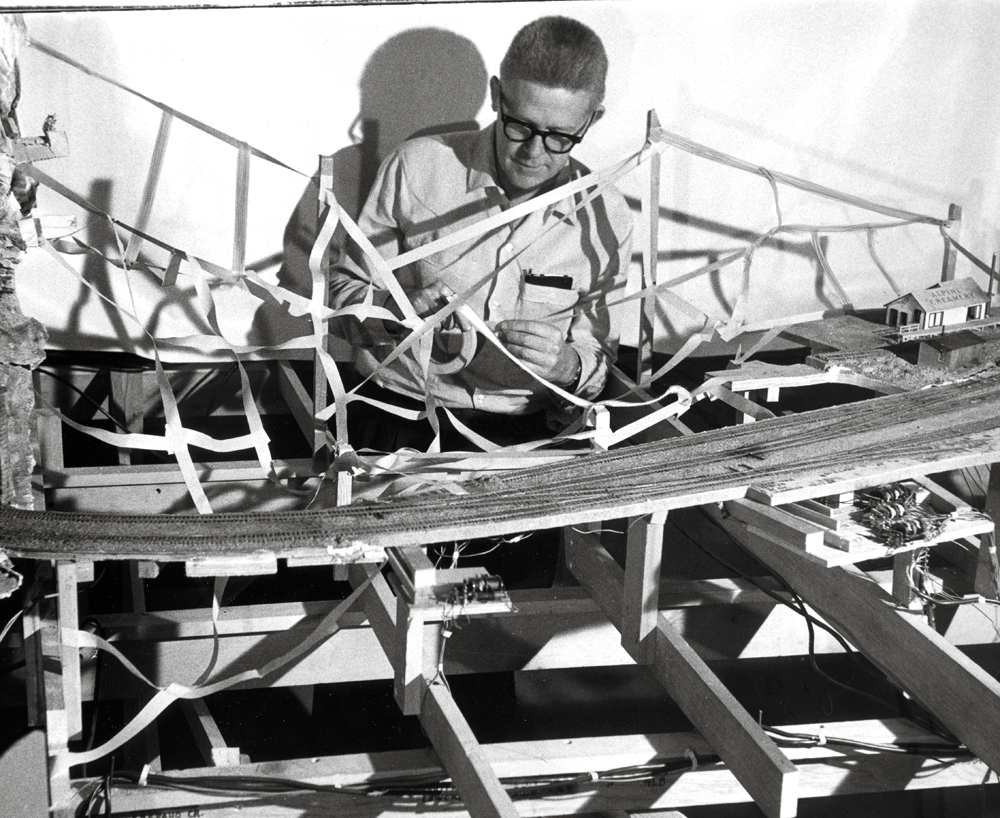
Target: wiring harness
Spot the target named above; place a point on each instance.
(895, 517)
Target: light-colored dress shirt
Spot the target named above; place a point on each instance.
(432, 186)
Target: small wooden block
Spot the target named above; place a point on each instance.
(244, 566)
(832, 539)
(85, 571)
(818, 507)
(147, 569)
(773, 522)
(815, 517)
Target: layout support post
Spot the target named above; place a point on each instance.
(902, 573)
(642, 585)
(46, 705)
(408, 679)
(69, 647)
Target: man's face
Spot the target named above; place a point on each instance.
(526, 166)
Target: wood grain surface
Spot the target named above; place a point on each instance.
(776, 461)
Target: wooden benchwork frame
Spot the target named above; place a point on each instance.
(757, 763)
(401, 634)
(940, 677)
(53, 673)
(826, 771)
(641, 588)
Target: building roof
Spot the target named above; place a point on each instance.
(946, 295)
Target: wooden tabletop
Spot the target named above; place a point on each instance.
(775, 461)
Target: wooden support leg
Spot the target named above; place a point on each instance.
(757, 763)
(144, 748)
(69, 647)
(902, 573)
(751, 397)
(642, 585)
(46, 707)
(127, 404)
(408, 679)
(987, 581)
(401, 635)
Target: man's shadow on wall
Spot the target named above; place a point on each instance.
(420, 82)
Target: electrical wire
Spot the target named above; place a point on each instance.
(797, 605)
(97, 406)
(437, 785)
(790, 739)
(917, 579)
(10, 624)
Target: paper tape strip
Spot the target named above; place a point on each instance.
(328, 626)
(149, 192)
(690, 146)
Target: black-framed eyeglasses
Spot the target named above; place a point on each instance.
(517, 130)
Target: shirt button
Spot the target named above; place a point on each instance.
(506, 251)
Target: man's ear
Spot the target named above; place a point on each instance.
(495, 94)
(598, 113)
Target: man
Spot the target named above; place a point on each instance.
(555, 267)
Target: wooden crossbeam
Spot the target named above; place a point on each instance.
(403, 638)
(826, 771)
(948, 684)
(463, 758)
(551, 629)
(759, 765)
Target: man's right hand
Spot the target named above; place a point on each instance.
(428, 300)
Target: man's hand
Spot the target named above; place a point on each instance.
(428, 300)
(542, 347)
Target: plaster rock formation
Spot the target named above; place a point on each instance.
(22, 339)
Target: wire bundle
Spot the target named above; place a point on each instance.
(895, 517)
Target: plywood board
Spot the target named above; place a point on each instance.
(776, 461)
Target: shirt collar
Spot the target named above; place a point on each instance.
(483, 174)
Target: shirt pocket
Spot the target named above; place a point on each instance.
(552, 305)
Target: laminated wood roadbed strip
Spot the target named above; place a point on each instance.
(774, 461)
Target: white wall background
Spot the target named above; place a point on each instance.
(897, 102)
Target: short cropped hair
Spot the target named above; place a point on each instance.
(558, 52)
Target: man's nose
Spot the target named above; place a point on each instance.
(534, 146)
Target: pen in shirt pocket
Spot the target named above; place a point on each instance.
(563, 282)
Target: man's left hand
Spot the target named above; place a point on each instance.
(542, 348)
